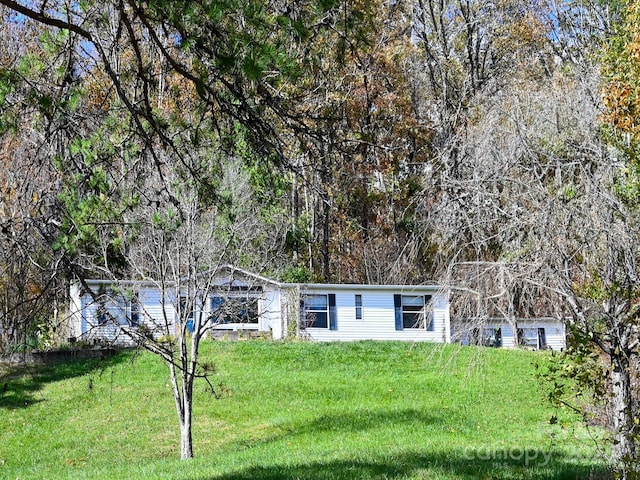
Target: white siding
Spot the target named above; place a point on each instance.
(154, 313)
(75, 312)
(556, 334)
(554, 331)
(271, 314)
(378, 317)
(278, 312)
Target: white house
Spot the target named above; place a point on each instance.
(535, 333)
(329, 312)
(242, 300)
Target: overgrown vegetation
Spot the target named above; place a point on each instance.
(464, 142)
(366, 410)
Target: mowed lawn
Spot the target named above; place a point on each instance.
(298, 410)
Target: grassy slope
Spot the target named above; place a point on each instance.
(294, 410)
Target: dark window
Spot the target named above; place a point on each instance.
(528, 337)
(492, 337)
(134, 310)
(319, 311)
(542, 339)
(217, 315)
(413, 312)
(234, 310)
(247, 310)
(358, 307)
(102, 314)
(316, 311)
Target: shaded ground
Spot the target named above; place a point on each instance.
(533, 465)
(20, 384)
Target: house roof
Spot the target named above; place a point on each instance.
(365, 287)
(232, 270)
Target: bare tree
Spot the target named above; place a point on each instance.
(179, 253)
(32, 282)
(534, 203)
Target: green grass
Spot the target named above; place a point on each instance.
(296, 411)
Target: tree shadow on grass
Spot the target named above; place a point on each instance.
(456, 464)
(21, 385)
(467, 464)
(365, 419)
(358, 420)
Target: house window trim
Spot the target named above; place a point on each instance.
(331, 311)
(427, 312)
(116, 308)
(250, 302)
(536, 333)
(358, 307)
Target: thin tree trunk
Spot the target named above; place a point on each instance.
(296, 219)
(184, 403)
(186, 438)
(326, 259)
(624, 447)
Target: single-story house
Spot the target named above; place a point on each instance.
(106, 310)
(534, 333)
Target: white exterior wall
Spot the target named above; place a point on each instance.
(278, 312)
(271, 314)
(75, 312)
(378, 316)
(158, 318)
(157, 313)
(508, 337)
(554, 332)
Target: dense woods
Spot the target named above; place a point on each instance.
(490, 146)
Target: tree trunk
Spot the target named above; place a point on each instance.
(326, 258)
(182, 394)
(186, 438)
(624, 447)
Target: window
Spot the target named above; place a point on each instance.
(533, 337)
(316, 311)
(114, 307)
(411, 312)
(247, 310)
(358, 307)
(134, 310)
(319, 311)
(542, 338)
(234, 310)
(217, 311)
(102, 314)
(492, 337)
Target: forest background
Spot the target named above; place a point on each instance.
(487, 145)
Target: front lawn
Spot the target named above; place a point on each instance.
(365, 410)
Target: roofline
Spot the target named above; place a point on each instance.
(470, 320)
(304, 286)
(284, 285)
(233, 268)
(98, 281)
(362, 286)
